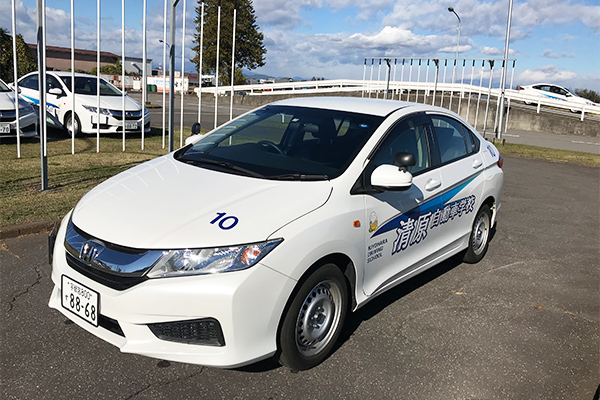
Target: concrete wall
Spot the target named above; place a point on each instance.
(520, 118)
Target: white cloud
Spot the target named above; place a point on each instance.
(494, 51)
(550, 54)
(547, 73)
(452, 49)
(566, 37)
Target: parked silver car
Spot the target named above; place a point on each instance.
(8, 114)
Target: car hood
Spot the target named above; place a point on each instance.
(166, 204)
(7, 101)
(108, 102)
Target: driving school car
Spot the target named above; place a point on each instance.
(256, 239)
(8, 114)
(86, 118)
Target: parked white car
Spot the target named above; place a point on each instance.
(59, 103)
(256, 239)
(8, 114)
(555, 92)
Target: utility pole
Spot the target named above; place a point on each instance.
(172, 77)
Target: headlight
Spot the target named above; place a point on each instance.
(95, 110)
(25, 108)
(211, 260)
(146, 111)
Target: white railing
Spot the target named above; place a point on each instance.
(400, 90)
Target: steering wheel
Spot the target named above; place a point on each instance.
(272, 145)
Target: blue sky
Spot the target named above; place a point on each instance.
(553, 40)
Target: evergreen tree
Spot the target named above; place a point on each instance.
(26, 62)
(249, 48)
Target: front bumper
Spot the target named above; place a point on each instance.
(247, 304)
(110, 124)
(27, 125)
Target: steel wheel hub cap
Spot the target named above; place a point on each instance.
(480, 235)
(315, 320)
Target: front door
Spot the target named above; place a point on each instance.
(399, 237)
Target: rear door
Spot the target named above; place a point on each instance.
(461, 167)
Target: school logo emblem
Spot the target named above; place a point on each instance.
(373, 222)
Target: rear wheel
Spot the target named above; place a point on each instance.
(480, 236)
(314, 319)
(73, 124)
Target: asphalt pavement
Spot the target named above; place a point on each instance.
(521, 324)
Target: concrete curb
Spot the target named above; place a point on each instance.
(12, 231)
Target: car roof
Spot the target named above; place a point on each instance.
(358, 105)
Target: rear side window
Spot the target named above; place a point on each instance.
(452, 141)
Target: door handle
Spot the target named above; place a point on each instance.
(432, 184)
(477, 164)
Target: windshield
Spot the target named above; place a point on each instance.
(285, 142)
(3, 87)
(87, 85)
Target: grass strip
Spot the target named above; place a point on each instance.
(548, 154)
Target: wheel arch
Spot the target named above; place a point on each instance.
(490, 201)
(344, 263)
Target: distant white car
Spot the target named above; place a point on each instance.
(59, 103)
(293, 215)
(556, 92)
(8, 114)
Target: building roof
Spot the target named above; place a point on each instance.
(77, 51)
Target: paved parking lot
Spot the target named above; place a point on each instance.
(521, 324)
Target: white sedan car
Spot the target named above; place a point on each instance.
(256, 239)
(59, 103)
(8, 114)
(547, 90)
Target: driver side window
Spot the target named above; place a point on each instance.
(408, 137)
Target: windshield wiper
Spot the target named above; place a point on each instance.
(222, 164)
(299, 177)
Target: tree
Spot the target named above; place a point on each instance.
(591, 95)
(249, 48)
(26, 62)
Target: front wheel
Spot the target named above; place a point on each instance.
(73, 125)
(314, 319)
(480, 236)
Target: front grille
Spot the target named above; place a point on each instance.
(129, 115)
(206, 331)
(102, 126)
(8, 116)
(110, 325)
(117, 282)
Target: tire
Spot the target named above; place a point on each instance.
(314, 319)
(69, 122)
(480, 236)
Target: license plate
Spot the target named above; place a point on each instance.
(4, 128)
(80, 300)
(131, 125)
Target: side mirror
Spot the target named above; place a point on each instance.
(56, 91)
(196, 128)
(388, 177)
(404, 160)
